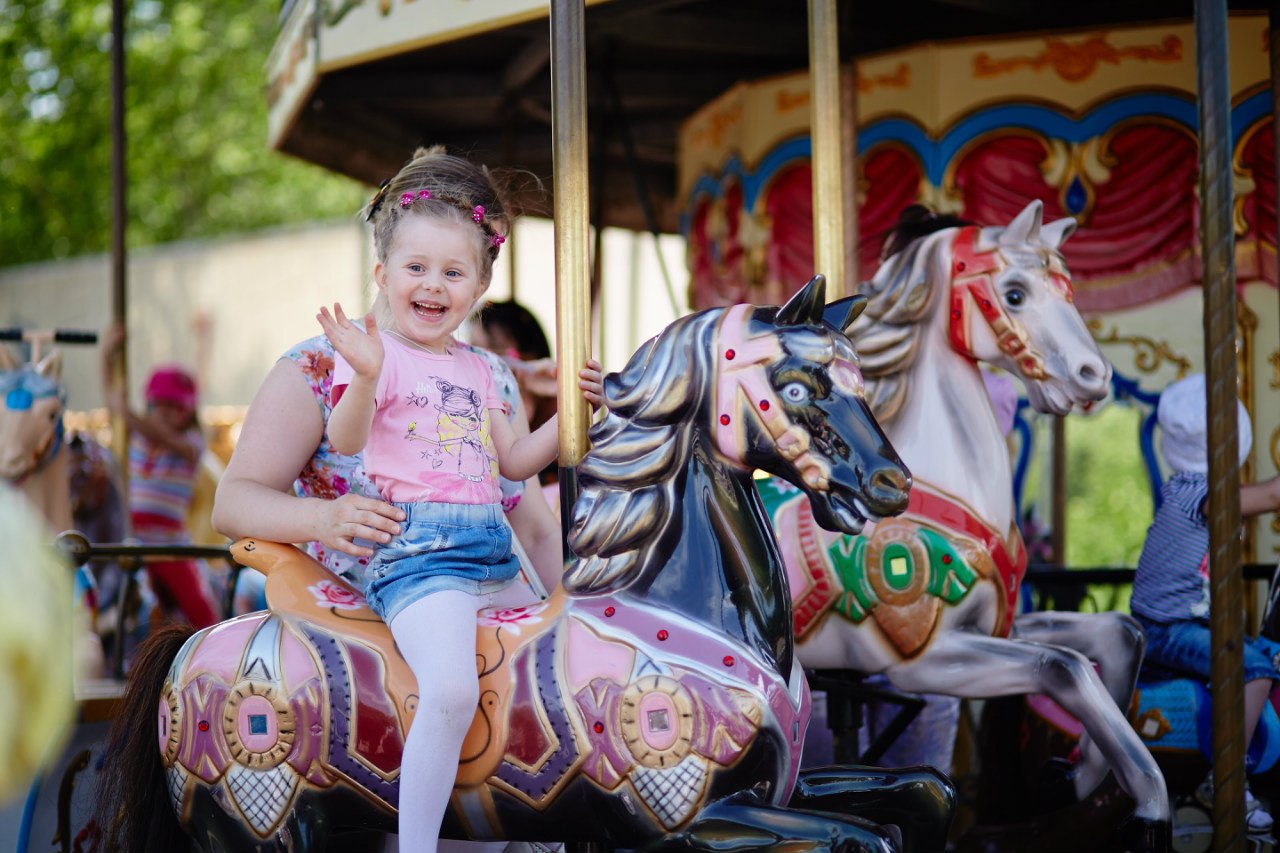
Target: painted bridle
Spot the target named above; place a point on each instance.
(743, 390)
(973, 273)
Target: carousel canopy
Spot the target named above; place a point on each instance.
(355, 86)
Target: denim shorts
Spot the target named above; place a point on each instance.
(1184, 646)
(465, 547)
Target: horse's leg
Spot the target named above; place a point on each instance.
(1112, 640)
(743, 822)
(974, 666)
(920, 801)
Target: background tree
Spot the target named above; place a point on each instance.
(198, 162)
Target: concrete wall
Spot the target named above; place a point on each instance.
(229, 307)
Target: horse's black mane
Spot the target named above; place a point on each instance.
(914, 222)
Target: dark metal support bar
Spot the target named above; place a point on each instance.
(119, 220)
(80, 551)
(1227, 587)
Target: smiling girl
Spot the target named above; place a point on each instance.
(410, 398)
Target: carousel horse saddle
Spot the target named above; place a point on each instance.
(303, 593)
(1173, 712)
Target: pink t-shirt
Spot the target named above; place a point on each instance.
(430, 439)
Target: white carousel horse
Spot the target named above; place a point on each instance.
(653, 700)
(928, 599)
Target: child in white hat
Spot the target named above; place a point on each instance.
(1171, 588)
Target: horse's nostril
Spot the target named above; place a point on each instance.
(887, 481)
(1089, 373)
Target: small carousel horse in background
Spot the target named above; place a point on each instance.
(928, 599)
(654, 700)
(34, 461)
(31, 435)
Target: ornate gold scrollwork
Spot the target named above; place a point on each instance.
(657, 721)
(270, 703)
(171, 709)
(1149, 353)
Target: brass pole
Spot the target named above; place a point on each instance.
(825, 136)
(573, 273)
(849, 158)
(1217, 240)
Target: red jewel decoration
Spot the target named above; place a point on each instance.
(724, 420)
(662, 634)
(598, 727)
(204, 726)
(956, 314)
(764, 405)
(729, 354)
(960, 266)
(609, 611)
(728, 660)
(946, 559)
(986, 303)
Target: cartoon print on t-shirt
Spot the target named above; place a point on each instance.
(462, 431)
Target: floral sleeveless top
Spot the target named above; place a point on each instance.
(330, 474)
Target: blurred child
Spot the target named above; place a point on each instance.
(165, 444)
(1171, 587)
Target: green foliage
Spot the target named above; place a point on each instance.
(1108, 498)
(196, 117)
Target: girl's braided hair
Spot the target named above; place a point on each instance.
(439, 184)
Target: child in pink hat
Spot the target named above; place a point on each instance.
(165, 444)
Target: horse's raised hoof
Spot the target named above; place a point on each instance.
(1143, 835)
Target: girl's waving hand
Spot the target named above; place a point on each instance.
(361, 348)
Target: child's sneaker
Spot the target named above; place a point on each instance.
(1257, 819)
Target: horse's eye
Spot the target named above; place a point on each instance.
(795, 392)
(1015, 296)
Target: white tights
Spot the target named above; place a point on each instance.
(437, 636)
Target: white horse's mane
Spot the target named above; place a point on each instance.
(900, 298)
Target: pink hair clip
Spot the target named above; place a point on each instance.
(478, 214)
(407, 199)
(498, 240)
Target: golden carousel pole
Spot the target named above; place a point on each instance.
(828, 150)
(1217, 240)
(573, 267)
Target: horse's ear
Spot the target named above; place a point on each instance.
(1056, 233)
(843, 312)
(805, 308)
(8, 361)
(50, 367)
(1025, 227)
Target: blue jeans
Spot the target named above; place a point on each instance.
(441, 546)
(1184, 646)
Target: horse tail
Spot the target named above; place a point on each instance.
(133, 806)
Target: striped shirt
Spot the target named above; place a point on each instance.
(161, 482)
(1172, 581)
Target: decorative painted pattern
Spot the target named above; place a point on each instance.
(543, 781)
(1078, 61)
(338, 755)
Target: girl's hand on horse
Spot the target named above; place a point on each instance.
(591, 381)
(362, 349)
(341, 521)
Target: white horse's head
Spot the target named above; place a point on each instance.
(1012, 306)
(31, 403)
